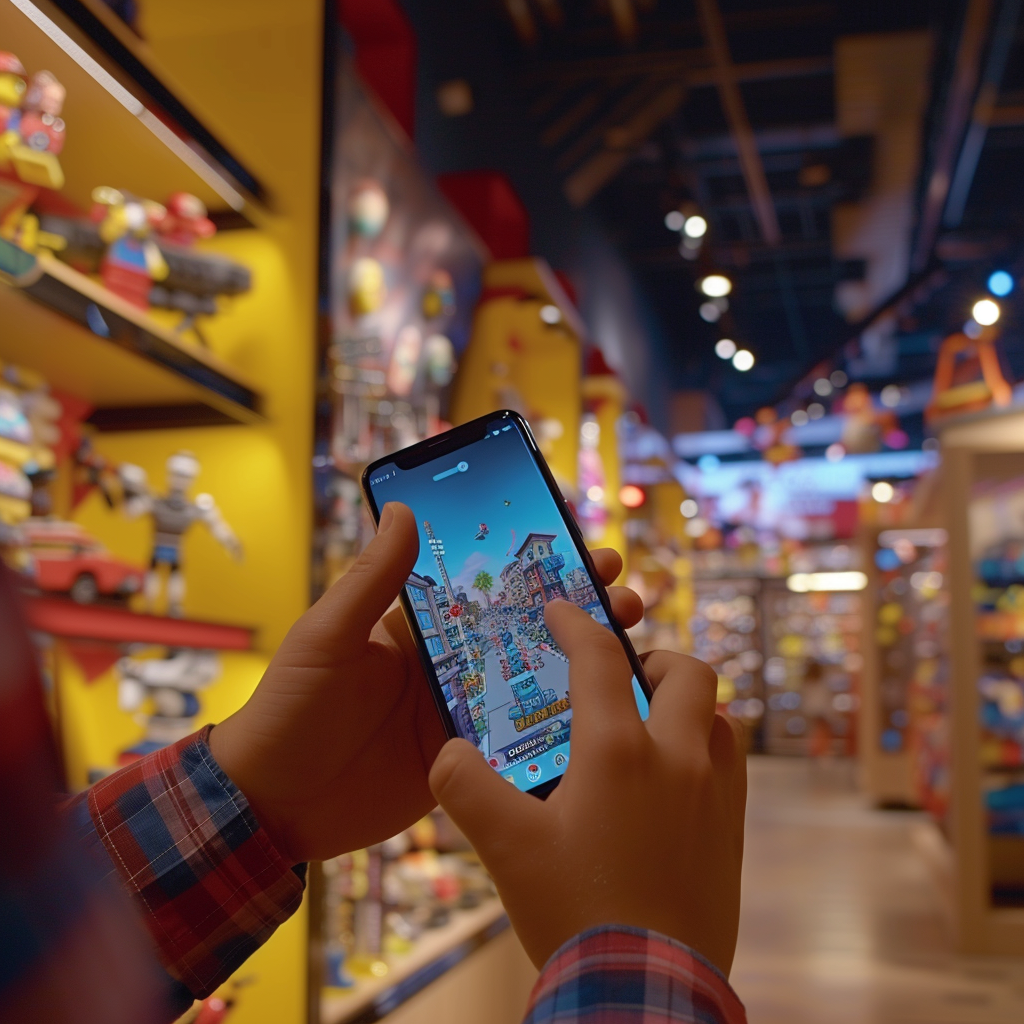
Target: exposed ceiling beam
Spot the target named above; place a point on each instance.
(626, 26)
(739, 123)
(691, 63)
(552, 11)
(769, 140)
(966, 70)
(522, 20)
(569, 120)
(981, 117)
(586, 181)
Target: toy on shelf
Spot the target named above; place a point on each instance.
(133, 261)
(31, 132)
(171, 683)
(968, 377)
(172, 514)
(64, 559)
(865, 427)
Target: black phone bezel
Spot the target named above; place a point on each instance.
(453, 440)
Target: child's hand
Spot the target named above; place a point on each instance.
(332, 750)
(645, 828)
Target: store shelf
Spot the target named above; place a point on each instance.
(436, 952)
(89, 342)
(65, 619)
(127, 126)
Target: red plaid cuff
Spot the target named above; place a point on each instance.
(630, 975)
(206, 878)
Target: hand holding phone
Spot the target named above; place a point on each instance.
(646, 828)
(332, 750)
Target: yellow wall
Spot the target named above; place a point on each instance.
(252, 72)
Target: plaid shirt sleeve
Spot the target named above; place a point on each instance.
(619, 975)
(206, 879)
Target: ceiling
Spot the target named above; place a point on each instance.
(843, 154)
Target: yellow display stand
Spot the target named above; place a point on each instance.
(517, 359)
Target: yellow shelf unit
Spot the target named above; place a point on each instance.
(89, 342)
(976, 449)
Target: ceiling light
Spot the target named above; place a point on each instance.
(689, 508)
(743, 360)
(986, 312)
(799, 418)
(550, 314)
(725, 348)
(690, 244)
(695, 227)
(1000, 283)
(883, 492)
(839, 379)
(710, 312)
(815, 410)
(715, 285)
(823, 387)
(803, 582)
(674, 220)
(835, 452)
(595, 493)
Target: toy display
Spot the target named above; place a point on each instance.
(726, 633)
(64, 559)
(31, 134)
(170, 683)
(378, 902)
(865, 427)
(968, 376)
(820, 627)
(769, 437)
(173, 514)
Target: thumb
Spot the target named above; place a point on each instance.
(485, 807)
(354, 605)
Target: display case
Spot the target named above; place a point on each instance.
(812, 711)
(903, 751)
(983, 482)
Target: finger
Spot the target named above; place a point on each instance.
(599, 671)
(608, 563)
(685, 693)
(488, 810)
(351, 608)
(627, 607)
(727, 749)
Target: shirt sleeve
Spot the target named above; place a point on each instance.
(620, 975)
(206, 880)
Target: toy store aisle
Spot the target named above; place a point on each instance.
(842, 919)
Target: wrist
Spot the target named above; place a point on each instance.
(231, 752)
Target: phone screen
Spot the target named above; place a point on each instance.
(494, 549)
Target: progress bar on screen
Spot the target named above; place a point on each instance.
(460, 468)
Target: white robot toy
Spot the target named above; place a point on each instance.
(172, 683)
(172, 514)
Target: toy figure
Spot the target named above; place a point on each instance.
(172, 684)
(482, 532)
(769, 437)
(968, 376)
(185, 221)
(172, 515)
(12, 94)
(42, 128)
(864, 427)
(133, 261)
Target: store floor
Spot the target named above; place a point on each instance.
(842, 919)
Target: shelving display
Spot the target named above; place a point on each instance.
(726, 632)
(801, 629)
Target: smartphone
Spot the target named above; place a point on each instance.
(497, 542)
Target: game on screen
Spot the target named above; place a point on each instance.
(493, 551)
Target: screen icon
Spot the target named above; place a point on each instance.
(533, 772)
(560, 759)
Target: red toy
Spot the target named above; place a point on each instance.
(185, 221)
(64, 559)
(42, 127)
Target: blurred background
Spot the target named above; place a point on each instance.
(753, 272)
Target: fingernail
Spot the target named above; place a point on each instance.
(386, 516)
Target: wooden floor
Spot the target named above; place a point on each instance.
(842, 921)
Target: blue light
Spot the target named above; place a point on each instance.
(1000, 283)
(708, 463)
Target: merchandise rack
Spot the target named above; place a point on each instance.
(976, 448)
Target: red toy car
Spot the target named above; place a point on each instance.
(63, 558)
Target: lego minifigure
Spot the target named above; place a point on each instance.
(172, 515)
(12, 94)
(172, 683)
(133, 261)
(185, 221)
(42, 127)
